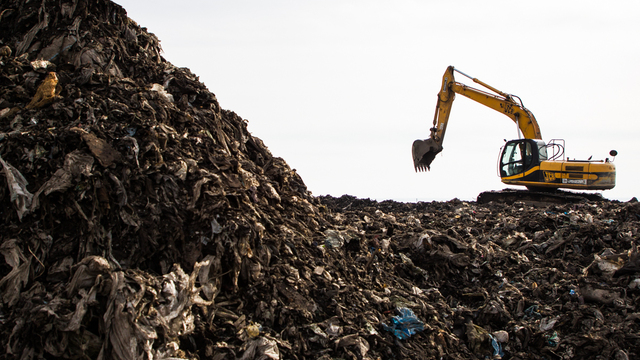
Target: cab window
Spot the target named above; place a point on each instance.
(516, 158)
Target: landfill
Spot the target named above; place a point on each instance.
(139, 219)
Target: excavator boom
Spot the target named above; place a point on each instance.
(424, 151)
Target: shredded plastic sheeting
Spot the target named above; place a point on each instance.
(17, 184)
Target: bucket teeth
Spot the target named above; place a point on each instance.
(421, 167)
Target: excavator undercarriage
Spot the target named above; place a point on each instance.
(540, 197)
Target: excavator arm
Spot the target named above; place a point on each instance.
(424, 151)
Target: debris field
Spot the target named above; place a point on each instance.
(142, 220)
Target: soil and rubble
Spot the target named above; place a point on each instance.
(142, 220)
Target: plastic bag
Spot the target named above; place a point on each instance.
(405, 324)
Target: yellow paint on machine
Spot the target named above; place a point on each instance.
(573, 175)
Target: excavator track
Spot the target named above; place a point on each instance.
(535, 197)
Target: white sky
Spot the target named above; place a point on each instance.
(340, 89)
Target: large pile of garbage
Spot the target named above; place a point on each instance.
(140, 219)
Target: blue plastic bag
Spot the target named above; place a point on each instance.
(497, 347)
(405, 324)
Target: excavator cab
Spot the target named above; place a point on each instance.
(521, 155)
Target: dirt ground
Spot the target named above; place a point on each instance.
(142, 220)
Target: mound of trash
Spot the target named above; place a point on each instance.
(502, 281)
(140, 219)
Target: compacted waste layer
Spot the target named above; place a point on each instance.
(142, 220)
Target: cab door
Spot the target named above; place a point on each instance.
(512, 159)
(519, 156)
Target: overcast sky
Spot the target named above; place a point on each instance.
(340, 89)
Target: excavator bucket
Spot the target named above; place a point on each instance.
(423, 152)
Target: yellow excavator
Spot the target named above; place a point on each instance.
(527, 161)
